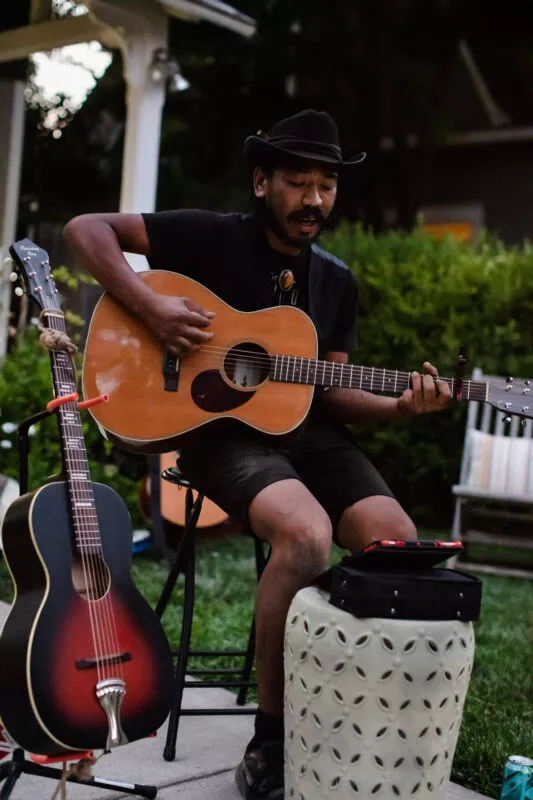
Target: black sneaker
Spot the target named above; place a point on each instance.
(260, 775)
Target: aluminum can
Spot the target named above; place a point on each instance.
(517, 779)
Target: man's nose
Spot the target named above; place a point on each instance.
(312, 196)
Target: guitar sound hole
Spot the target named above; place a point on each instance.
(247, 365)
(90, 577)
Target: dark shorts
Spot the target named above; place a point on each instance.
(232, 469)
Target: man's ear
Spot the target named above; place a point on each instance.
(260, 182)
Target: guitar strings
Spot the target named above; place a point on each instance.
(88, 533)
(268, 358)
(69, 407)
(261, 358)
(84, 526)
(328, 368)
(94, 568)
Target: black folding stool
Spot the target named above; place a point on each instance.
(184, 563)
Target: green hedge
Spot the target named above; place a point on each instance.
(421, 299)
(25, 388)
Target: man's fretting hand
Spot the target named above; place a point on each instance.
(178, 323)
(426, 394)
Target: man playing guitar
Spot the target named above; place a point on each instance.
(297, 493)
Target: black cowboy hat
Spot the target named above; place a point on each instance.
(311, 135)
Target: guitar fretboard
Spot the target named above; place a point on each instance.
(78, 478)
(292, 369)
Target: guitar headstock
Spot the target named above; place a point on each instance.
(33, 266)
(512, 396)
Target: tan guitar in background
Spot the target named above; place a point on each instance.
(173, 500)
(260, 368)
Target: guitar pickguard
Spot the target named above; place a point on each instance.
(211, 393)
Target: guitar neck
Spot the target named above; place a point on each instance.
(76, 464)
(292, 369)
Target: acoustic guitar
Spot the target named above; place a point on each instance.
(173, 500)
(84, 662)
(260, 368)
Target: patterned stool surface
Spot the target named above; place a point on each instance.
(372, 706)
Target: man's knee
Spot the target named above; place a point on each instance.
(375, 517)
(300, 539)
(290, 519)
(303, 543)
(403, 529)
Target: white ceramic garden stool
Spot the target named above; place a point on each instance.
(372, 706)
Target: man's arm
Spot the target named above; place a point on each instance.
(356, 405)
(98, 242)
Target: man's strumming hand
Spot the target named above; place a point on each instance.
(426, 394)
(178, 323)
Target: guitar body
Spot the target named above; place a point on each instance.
(226, 379)
(47, 684)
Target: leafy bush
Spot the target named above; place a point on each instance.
(420, 299)
(25, 388)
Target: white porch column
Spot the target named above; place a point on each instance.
(143, 28)
(145, 100)
(11, 145)
(144, 103)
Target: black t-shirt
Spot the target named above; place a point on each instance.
(230, 255)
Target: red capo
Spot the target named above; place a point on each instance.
(69, 398)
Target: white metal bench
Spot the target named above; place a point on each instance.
(495, 488)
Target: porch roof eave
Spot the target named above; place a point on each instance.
(48, 34)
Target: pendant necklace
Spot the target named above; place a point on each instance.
(285, 282)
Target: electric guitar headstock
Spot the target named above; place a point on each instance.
(32, 265)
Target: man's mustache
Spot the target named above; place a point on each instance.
(309, 212)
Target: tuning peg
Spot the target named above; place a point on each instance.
(523, 423)
(19, 291)
(507, 420)
(509, 379)
(13, 277)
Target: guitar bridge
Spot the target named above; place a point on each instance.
(171, 371)
(103, 661)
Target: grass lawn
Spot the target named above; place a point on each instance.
(498, 718)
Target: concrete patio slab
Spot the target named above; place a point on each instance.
(208, 749)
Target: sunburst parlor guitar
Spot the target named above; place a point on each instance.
(259, 368)
(84, 662)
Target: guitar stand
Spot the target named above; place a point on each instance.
(10, 771)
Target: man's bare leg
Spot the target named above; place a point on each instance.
(287, 516)
(376, 517)
(298, 529)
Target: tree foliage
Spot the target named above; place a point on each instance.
(421, 300)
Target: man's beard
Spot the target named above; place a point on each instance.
(267, 217)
